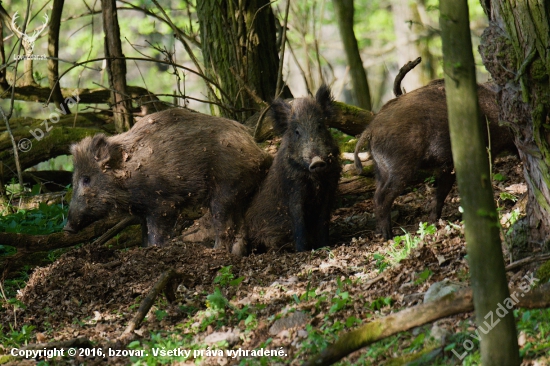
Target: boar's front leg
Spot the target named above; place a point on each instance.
(296, 210)
(323, 223)
(159, 228)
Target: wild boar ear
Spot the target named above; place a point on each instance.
(280, 113)
(107, 154)
(324, 98)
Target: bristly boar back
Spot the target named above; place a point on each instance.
(170, 163)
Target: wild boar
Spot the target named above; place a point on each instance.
(294, 202)
(171, 162)
(411, 132)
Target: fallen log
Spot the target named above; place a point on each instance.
(452, 304)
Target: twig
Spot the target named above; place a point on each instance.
(146, 304)
(127, 221)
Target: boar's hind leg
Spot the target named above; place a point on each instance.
(445, 182)
(388, 187)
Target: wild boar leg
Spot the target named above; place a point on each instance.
(445, 182)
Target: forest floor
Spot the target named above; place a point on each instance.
(292, 303)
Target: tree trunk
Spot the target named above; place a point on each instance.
(239, 51)
(344, 13)
(499, 345)
(116, 68)
(514, 49)
(3, 61)
(412, 43)
(53, 49)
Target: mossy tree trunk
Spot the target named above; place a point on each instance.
(514, 49)
(499, 344)
(240, 52)
(345, 15)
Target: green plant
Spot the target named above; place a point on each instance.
(225, 277)
(381, 262)
(16, 338)
(423, 276)
(46, 219)
(403, 244)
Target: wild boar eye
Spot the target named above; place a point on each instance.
(297, 133)
(85, 180)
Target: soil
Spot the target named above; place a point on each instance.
(93, 291)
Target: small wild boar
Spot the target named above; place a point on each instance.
(294, 202)
(411, 132)
(170, 163)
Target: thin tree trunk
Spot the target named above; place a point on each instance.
(514, 49)
(3, 81)
(344, 13)
(116, 68)
(53, 50)
(499, 344)
(412, 42)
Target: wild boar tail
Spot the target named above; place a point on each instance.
(365, 137)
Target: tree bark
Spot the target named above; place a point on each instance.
(3, 81)
(53, 50)
(499, 344)
(412, 42)
(239, 48)
(514, 49)
(116, 68)
(344, 14)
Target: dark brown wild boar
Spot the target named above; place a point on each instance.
(411, 132)
(294, 202)
(171, 162)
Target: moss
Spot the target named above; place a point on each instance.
(543, 273)
(345, 143)
(348, 109)
(538, 70)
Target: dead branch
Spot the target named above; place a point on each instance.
(402, 72)
(524, 261)
(146, 305)
(123, 224)
(452, 304)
